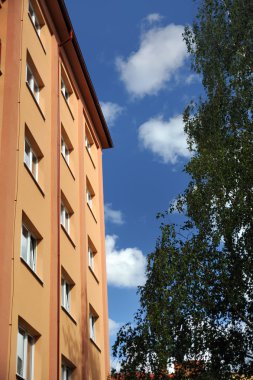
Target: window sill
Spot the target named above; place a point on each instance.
(37, 33)
(68, 236)
(90, 157)
(32, 272)
(68, 167)
(95, 344)
(34, 180)
(92, 212)
(69, 315)
(68, 106)
(93, 274)
(35, 100)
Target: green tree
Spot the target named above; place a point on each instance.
(196, 308)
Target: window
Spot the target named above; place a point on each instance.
(89, 198)
(32, 83)
(28, 248)
(65, 91)
(31, 160)
(25, 354)
(91, 258)
(34, 18)
(93, 319)
(66, 372)
(65, 218)
(87, 144)
(64, 150)
(66, 287)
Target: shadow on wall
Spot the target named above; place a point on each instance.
(88, 355)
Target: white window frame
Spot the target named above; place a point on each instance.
(65, 91)
(30, 158)
(93, 320)
(34, 18)
(89, 198)
(66, 296)
(32, 83)
(65, 218)
(25, 337)
(87, 144)
(66, 372)
(31, 252)
(91, 258)
(65, 150)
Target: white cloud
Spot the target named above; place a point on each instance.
(114, 327)
(153, 18)
(161, 53)
(193, 78)
(113, 216)
(125, 267)
(166, 139)
(111, 111)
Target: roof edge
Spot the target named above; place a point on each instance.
(85, 70)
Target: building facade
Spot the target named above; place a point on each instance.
(53, 291)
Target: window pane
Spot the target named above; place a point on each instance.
(62, 215)
(37, 25)
(69, 373)
(92, 327)
(20, 353)
(29, 363)
(27, 154)
(29, 77)
(67, 154)
(24, 243)
(63, 292)
(67, 295)
(88, 146)
(91, 258)
(31, 11)
(89, 199)
(34, 166)
(63, 147)
(32, 262)
(67, 221)
(36, 90)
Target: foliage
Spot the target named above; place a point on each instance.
(196, 308)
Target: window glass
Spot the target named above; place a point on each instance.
(87, 144)
(32, 253)
(31, 160)
(32, 83)
(25, 347)
(24, 243)
(89, 198)
(66, 295)
(65, 216)
(34, 18)
(64, 90)
(65, 373)
(29, 364)
(91, 258)
(65, 150)
(20, 352)
(92, 327)
(28, 248)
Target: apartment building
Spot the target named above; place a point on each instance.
(53, 292)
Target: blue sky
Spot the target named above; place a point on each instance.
(141, 73)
